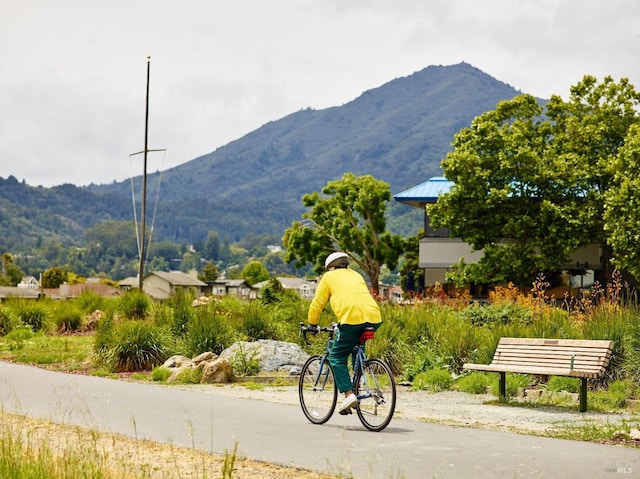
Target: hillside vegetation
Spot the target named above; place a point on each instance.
(398, 132)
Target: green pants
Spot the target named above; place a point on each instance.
(346, 339)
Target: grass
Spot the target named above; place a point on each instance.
(589, 432)
(40, 449)
(58, 353)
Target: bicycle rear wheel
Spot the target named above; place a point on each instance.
(378, 395)
(317, 390)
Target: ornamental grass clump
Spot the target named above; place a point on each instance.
(134, 304)
(208, 330)
(135, 346)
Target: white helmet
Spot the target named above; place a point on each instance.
(337, 258)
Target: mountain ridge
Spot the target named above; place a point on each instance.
(397, 132)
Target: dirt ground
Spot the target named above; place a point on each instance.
(160, 461)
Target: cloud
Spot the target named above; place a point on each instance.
(72, 89)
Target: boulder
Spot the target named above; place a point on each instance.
(214, 368)
(218, 370)
(272, 355)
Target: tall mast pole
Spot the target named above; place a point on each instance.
(143, 212)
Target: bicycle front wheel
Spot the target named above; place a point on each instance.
(377, 393)
(317, 390)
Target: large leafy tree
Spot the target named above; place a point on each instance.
(589, 130)
(348, 215)
(254, 272)
(530, 188)
(622, 212)
(54, 277)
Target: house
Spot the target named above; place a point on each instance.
(128, 283)
(233, 287)
(67, 291)
(162, 285)
(438, 251)
(29, 282)
(304, 288)
(15, 292)
(390, 293)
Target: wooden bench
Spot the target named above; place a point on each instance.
(582, 359)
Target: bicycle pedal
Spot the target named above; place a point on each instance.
(347, 412)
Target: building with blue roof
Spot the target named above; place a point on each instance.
(438, 251)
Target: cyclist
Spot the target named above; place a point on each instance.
(355, 309)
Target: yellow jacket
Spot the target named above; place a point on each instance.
(349, 297)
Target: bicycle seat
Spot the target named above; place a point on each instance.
(367, 334)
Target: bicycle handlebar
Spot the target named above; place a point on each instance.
(305, 330)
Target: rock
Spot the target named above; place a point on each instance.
(272, 355)
(91, 321)
(214, 369)
(177, 361)
(218, 370)
(203, 358)
(635, 434)
(201, 301)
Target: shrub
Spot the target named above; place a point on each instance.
(160, 374)
(33, 315)
(88, 302)
(500, 313)
(433, 380)
(256, 324)
(134, 304)
(8, 320)
(421, 359)
(245, 362)
(614, 397)
(514, 381)
(474, 383)
(181, 312)
(207, 331)
(190, 376)
(272, 292)
(68, 318)
(135, 346)
(17, 336)
(562, 383)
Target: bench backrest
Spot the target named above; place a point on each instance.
(587, 356)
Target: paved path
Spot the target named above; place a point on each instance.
(280, 434)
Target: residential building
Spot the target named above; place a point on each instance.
(163, 285)
(29, 282)
(304, 288)
(438, 251)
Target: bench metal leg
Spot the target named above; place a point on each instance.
(502, 385)
(583, 394)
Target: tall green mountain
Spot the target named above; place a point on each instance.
(398, 132)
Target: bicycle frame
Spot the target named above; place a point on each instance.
(359, 358)
(372, 382)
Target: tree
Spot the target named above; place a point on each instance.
(211, 250)
(503, 188)
(622, 206)
(349, 216)
(54, 277)
(11, 273)
(529, 190)
(209, 272)
(254, 272)
(410, 270)
(589, 131)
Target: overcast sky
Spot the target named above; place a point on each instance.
(73, 72)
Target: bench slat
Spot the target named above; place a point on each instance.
(602, 343)
(534, 370)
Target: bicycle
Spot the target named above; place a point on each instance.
(372, 381)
